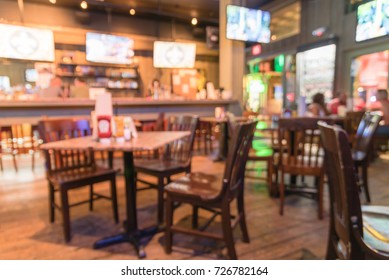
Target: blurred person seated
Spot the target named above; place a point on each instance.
(55, 90)
(318, 106)
(80, 89)
(382, 98)
(360, 102)
(338, 101)
(382, 131)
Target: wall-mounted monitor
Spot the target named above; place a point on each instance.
(174, 55)
(372, 20)
(19, 42)
(248, 25)
(106, 48)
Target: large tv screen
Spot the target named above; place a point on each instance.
(174, 55)
(19, 42)
(372, 20)
(249, 25)
(106, 48)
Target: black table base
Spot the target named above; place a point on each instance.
(138, 239)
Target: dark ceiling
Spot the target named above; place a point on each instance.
(207, 11)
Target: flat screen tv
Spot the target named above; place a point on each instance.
(174, 55)
(372, 20)
(19, 42)
(106, 48)
(248, 25)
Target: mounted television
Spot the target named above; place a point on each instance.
(106, 48)
(174, 55)
(372, 20)
(248, 25)
(19, 42)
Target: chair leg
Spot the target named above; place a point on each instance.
(282, 194)
(65, 214)
(195, 216)
(320, 197)
(114, 200)
(14, 161)
(227, 231)
(365, 181)
(160, 200)
(169, 223)
(51, 203)
(242, 216)
(91, 197)
(33, 160)
(331, 252)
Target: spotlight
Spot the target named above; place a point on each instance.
(194, 21)
(132, 12)
(84, 5)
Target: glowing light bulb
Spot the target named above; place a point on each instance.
(194, 21)
(84, 5)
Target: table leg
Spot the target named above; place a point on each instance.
(138, 238)
(221, 153)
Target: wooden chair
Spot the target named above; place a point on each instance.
(18, 139)
(202, 190)
(363, 146)
(176, 158)
(300, 154)
(6, 145)
(355, 232)
(71, 168)
(204, 136)
(351, 123)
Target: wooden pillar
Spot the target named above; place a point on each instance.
(231, 56)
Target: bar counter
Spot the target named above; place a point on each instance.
(30, 111)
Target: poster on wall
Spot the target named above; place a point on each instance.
(316, 71)
(19, 42)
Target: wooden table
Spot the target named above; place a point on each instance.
(221, 153)
(145, 141)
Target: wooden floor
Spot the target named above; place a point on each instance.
(26, 233)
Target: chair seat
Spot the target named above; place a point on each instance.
(157, 165)
(200, 185)
(376, 227)
(84, 174)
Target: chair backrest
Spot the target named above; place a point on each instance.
(344, 194)
(365, 132)
(233, 178)
(65, 160)
(181, 150)
(352, 121)
(299, 142)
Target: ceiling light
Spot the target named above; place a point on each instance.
(84, 5)
(53, 1)
(194, 21)
(273, 37)
(132, 12)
